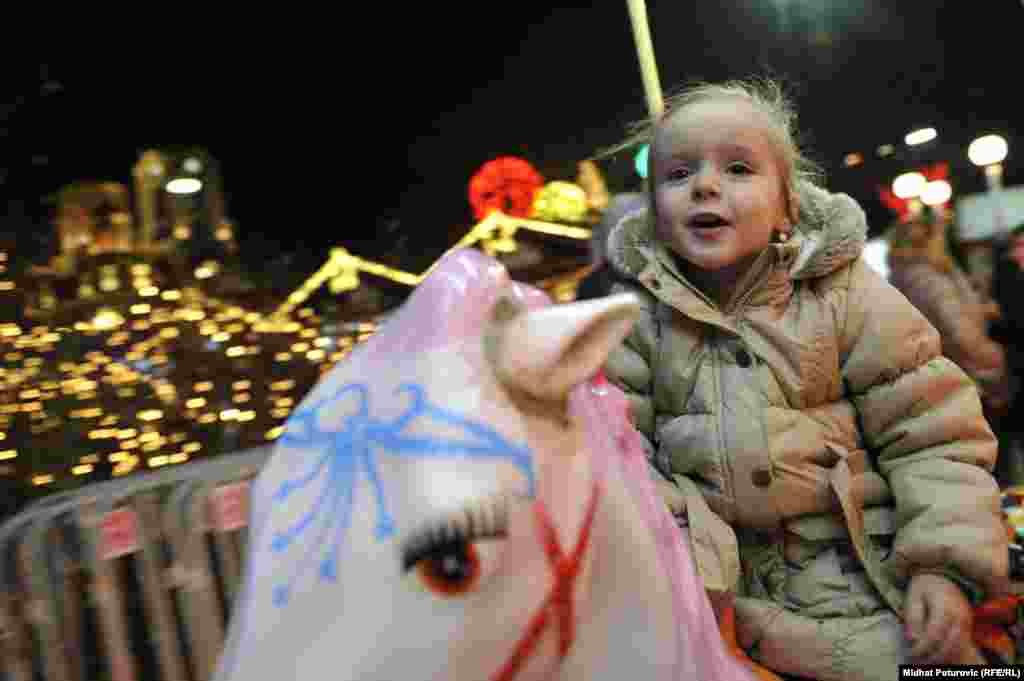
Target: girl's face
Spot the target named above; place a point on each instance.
(718, 188)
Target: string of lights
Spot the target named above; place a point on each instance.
(495, 233)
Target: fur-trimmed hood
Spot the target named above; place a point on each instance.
(832, 233)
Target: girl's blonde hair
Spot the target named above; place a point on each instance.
(765, 95)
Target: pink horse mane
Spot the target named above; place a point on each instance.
(700, 652)
(455, 302)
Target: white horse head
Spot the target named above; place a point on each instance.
(462, 500)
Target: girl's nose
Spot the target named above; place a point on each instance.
(706, 183)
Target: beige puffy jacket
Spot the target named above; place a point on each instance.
(812, 411)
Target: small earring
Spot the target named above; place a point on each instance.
(783, 237)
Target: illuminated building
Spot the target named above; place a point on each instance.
(135, 355)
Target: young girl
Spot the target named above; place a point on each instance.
(832, 466)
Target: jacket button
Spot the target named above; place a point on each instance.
(762, 477)
(743, 358)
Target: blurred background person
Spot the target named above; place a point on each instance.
(922, 268)
(1007, 286)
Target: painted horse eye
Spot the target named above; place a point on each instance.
(451, 569)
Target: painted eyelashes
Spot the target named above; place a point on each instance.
(480, 519)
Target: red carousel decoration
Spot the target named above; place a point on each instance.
(508, 184)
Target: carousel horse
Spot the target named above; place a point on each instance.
(463, 498)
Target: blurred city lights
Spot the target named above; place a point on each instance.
(909, 185)
(920, 136)
(184, 185)
(107, 319)
(886, 150)
(853, 159)
(987, 150)
(141, 365)
(936, 193)
(207, 269)
(994, 175)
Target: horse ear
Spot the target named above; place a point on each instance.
(548, 351)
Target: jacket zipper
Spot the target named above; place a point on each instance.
(723, 454)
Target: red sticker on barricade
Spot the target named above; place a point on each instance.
(230, 506)
(119, 534)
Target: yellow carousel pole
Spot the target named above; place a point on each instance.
(645, 53)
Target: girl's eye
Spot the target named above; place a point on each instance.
(739, 168)
(451, 569)
(678, 174)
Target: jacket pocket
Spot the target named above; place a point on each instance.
(799, 476)
(801, 488)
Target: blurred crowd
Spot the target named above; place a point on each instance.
(972, 297)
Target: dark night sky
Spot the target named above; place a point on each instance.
(327, 129)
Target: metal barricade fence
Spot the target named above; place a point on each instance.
(128, 580)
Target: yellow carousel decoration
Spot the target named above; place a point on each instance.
(592, 181)
(560, 201)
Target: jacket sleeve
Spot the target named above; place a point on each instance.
(921, 417)
(629, 365)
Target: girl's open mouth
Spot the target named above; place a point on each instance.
(707, 221)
